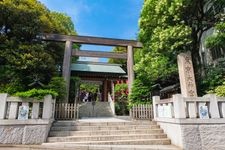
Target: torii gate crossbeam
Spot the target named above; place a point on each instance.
(70, 39)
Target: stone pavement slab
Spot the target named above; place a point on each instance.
(91, 147)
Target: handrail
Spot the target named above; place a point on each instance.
(112, 104)
(206, 107)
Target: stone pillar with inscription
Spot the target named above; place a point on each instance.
(186, 74)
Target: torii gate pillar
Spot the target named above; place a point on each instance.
(130, 65)
(66, 67)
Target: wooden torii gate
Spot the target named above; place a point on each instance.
(69, 52)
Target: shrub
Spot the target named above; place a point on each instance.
(74, 88)
(58, 85)
(36, 93)
(214, 77)
(140, 93)
(121, 96)
(220, 90)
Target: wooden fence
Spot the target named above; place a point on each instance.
(66, 111)
(144, 112)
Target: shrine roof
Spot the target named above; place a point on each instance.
(97, 67)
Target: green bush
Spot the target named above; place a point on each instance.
(74, 88)
(121, 99)
(36, 93)
(58, 85)
(220, 90)
(89, 87)
(121, 87)
(11, 88)
(139, 93)
(214, 77)
(121, 108)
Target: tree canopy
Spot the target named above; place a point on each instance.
(25, 61)
(170, 27)
(123, 62)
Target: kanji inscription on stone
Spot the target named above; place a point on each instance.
(186, 74)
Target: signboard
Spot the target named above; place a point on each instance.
(203, 112)
(23, 112)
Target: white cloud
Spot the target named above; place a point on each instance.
(73, 8)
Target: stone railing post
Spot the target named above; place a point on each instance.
(13, 110)
(47, 108)
(223, 108)
(35, 110)
(155, 101)
(213, 106)
(179, 106)
(3, 98)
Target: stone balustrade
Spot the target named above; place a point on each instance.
(25, 121)
(37, 109)
(188, 119)
(208, 106)
(112, 104)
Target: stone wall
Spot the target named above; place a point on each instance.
(24, 132)
(195, 134)
(205, 136)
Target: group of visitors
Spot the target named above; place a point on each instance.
(88, 96)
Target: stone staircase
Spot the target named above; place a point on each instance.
(108, 135)
(100, 109)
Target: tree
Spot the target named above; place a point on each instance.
(164, 35)
(64, 23)
(170, 27)
(217, 40)
(25, 61)
(200, 16)
(123, 62)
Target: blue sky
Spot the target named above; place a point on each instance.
(104, 18)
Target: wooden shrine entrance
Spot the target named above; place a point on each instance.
(69, 52)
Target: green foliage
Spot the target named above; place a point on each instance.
(123, 62)
(121, 99)
(36, 94)
(89, 87)
(121, 109)
(140, 93)
(218, 38)
(63, 22)
(214, 76)
(170, 27)
(121, 88)
(24, 60)
(220, 90)
(164, 35)
(74, 87)
(58, 85)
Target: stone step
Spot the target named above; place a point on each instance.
(77, 123)
(91, 128)
(104, 132)
(101, 109)
(105, 137)
(59, 146)
(162, 141)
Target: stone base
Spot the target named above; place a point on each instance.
(24, 132)
(197, 134)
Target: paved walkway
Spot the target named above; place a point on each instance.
(93, 147)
